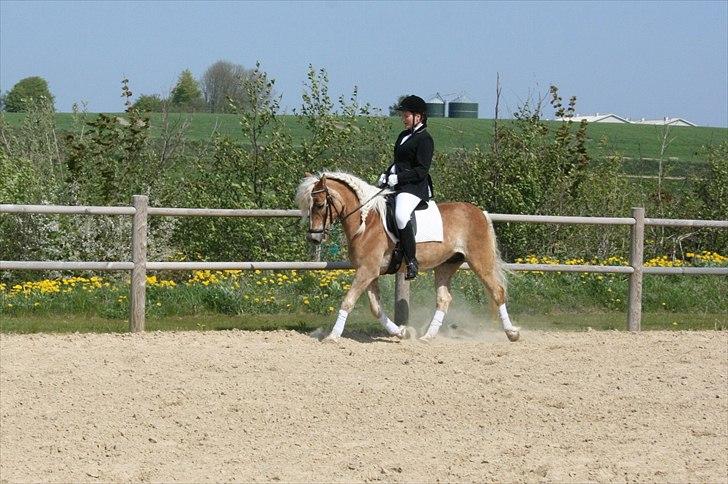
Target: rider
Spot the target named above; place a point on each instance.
(409, 174)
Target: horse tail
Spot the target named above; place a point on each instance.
(499, 268)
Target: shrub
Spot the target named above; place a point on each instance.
(712, 191)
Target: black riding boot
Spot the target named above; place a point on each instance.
(409, 247)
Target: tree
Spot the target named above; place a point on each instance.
(222, 83)
(149, 103)
(187, 91)
(30, 89)
(393, 109)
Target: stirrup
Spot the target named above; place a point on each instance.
(412, 268)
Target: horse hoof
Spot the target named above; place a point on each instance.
(426, 338)
(405, 332)
(330, 339)
(513, 334)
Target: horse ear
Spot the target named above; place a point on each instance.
(323, 178)
(307, 174)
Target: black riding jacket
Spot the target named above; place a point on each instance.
(412, 160)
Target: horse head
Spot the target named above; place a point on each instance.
(332, 196)
(322, 212)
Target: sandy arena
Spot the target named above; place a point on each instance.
(280, 406)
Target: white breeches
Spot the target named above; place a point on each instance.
(404, 205)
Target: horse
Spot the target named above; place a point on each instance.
(361, 209)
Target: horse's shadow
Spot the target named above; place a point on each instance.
(373, 338)
(359, 336)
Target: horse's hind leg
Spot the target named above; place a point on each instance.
(443, 275)
(490, 274)
(375, 304)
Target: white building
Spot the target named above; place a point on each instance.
(597, 118)
(613, 118)
(666, 121)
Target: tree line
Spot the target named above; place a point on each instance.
(219, 90)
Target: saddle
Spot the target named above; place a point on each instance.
(397, 254)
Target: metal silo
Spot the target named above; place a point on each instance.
(436, 107)
(462, 108)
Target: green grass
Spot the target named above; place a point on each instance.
(644, 141)
(538, 301)
(633, 141)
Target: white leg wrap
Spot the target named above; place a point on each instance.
(435, 323)
(505, 320)
(339, 325)
(388, 324)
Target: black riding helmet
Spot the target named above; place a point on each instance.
(413, 104)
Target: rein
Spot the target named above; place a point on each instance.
(362, 204)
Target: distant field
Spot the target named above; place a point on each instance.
(636, 142)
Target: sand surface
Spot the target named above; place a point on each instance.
(280, 406)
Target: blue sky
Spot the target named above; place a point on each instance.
(634, 59)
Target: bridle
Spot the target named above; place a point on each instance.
(329, 217)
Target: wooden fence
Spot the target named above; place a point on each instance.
(139, 265)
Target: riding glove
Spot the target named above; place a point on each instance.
(382, 180)
(392, 180)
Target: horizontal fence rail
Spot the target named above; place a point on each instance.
(666, 222)
(558, 219)
(139, 264)
(18, 265)
(230, 212)
(222, 212)
(67, 209)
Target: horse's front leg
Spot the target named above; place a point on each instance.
(363, 277)
(375, 304)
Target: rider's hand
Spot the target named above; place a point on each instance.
(382, 180)
(392, 180)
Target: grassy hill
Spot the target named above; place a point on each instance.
(640, 144)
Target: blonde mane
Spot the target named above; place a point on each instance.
(361, 189)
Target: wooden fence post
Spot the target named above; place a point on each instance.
(401, 299)
(636, 258)
(139, 257)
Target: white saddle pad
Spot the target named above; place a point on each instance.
(429, 224)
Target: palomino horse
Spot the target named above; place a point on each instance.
(468, 236)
